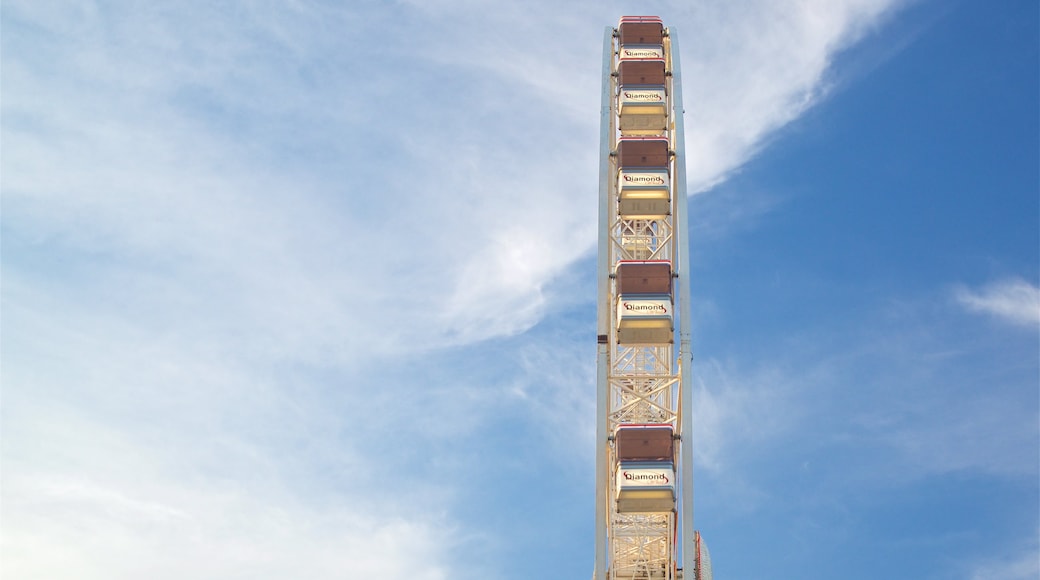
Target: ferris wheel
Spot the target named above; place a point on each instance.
(644, 460)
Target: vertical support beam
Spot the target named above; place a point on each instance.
(606, 145)
(682, 263)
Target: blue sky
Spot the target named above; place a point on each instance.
(306, 289)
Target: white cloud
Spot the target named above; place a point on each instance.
(77, 528)
(750, 69)
(464, 192)
(133, 454)
(1012, 300)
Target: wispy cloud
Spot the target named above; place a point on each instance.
(925, 394)
(1012, 300)
(1021, 565)
(741, 408)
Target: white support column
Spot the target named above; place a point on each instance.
(604, 317)
(682, 264)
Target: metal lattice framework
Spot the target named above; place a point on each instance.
(643, 378)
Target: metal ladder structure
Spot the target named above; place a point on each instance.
(644, 461)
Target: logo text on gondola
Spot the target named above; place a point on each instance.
(643, 96)
(645, 307)
(642, 53)
(643, 179)
(646, 477)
